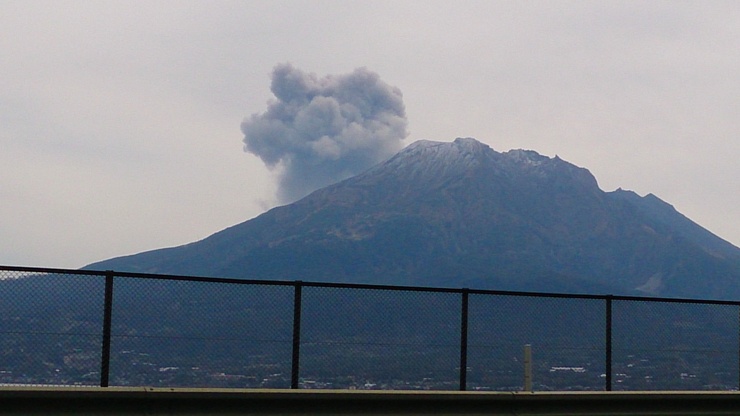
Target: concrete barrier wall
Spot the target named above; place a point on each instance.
(148, 401)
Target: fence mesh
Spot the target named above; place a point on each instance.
(566, 337)
(50, 328)
(674, 346)
(188, 332)
(380, 339)
(201, 334)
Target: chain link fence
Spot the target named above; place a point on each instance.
(50, 328)
(566, 336)
(175, 333)
(379, 339)
(674, 346)
(66, 327)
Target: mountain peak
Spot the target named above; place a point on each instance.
(470, 144)
(462, 146)
(426, 158)
(527, 157)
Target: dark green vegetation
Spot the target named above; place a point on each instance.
(462, 215)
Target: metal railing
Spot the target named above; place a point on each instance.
(103, 328)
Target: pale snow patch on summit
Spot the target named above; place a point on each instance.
(426, 157)
(527, 157)
(427, 160)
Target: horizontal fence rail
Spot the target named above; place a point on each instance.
(105, 328)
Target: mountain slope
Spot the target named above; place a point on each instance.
(463, 215)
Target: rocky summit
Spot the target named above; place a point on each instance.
(459, 215)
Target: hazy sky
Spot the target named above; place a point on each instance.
(120, 121)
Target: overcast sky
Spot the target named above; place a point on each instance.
(120, 120)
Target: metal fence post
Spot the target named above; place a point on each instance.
(464, 341)
(608, 346)
(107, 316)
(296, 362)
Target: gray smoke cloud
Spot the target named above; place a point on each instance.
(321, 130)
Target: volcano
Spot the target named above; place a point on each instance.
(460, 214)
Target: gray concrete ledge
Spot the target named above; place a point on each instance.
(164, 401)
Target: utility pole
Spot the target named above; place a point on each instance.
(528, 368)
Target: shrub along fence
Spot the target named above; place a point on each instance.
(93, 328)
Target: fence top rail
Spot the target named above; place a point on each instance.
(205, 279)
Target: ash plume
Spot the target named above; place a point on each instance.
(318, 131)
